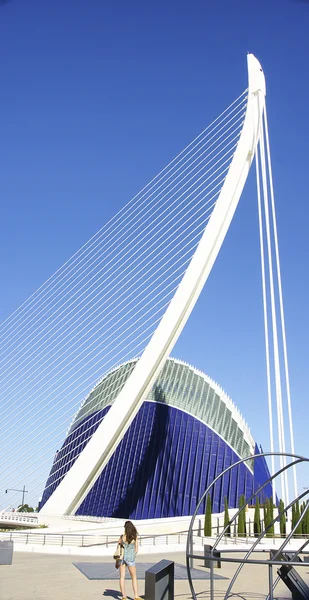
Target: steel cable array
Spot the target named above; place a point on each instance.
(101, 308)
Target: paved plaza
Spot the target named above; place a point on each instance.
(53, 577)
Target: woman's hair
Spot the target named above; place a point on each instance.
(130, 531)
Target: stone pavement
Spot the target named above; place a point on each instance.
(52, 577)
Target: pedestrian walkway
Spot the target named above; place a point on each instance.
(98, 570)
(46, 577)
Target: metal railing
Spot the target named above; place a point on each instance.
(88, 540)
(33, 516)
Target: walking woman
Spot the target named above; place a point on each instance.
(130, 543)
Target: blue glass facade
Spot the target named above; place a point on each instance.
(161, 467)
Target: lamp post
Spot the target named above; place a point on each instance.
(24, 491)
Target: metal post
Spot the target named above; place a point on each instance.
(24, 491)
(270, 579)
(211, 572)
(23, 496)
(191, 550)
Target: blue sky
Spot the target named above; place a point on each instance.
(97, 97)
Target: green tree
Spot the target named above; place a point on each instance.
(282, 518)
(241, 530)
(207, 523)
(307, 522)
(266, 515)
(303, 523)
(25, 508)
(298, 530)
(257, 521)
(293, 516)
(271, 530)
(226, 517)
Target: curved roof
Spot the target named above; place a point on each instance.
(184, 387)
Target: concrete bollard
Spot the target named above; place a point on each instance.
(159, 581)
(6, 552)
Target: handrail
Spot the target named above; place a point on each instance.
(87, 540)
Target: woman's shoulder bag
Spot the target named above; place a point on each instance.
(119, 552)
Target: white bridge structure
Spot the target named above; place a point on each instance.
(13, 519)
(130, 291)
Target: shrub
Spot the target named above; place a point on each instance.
(207, 523)
(271, 530)
(307, 522)
(298, 530)
(257, 520)
(282, 518)
(226, 517)
(266, 516)
(241, 530)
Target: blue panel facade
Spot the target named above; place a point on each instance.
(261, 473)
(161, 467)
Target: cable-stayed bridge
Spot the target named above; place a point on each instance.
(129, 292)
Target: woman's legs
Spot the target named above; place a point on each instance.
(122, 574)
(132, 571)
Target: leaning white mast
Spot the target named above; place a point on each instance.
(81, 477)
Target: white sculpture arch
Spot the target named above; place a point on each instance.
(81, 477)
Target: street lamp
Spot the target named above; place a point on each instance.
(24, 491)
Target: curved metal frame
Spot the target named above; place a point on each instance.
(298, 459)
(76, 484)
(262, 534)
(286, 540)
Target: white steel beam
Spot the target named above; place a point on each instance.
(81, 477)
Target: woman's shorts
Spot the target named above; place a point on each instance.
(128, 563)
